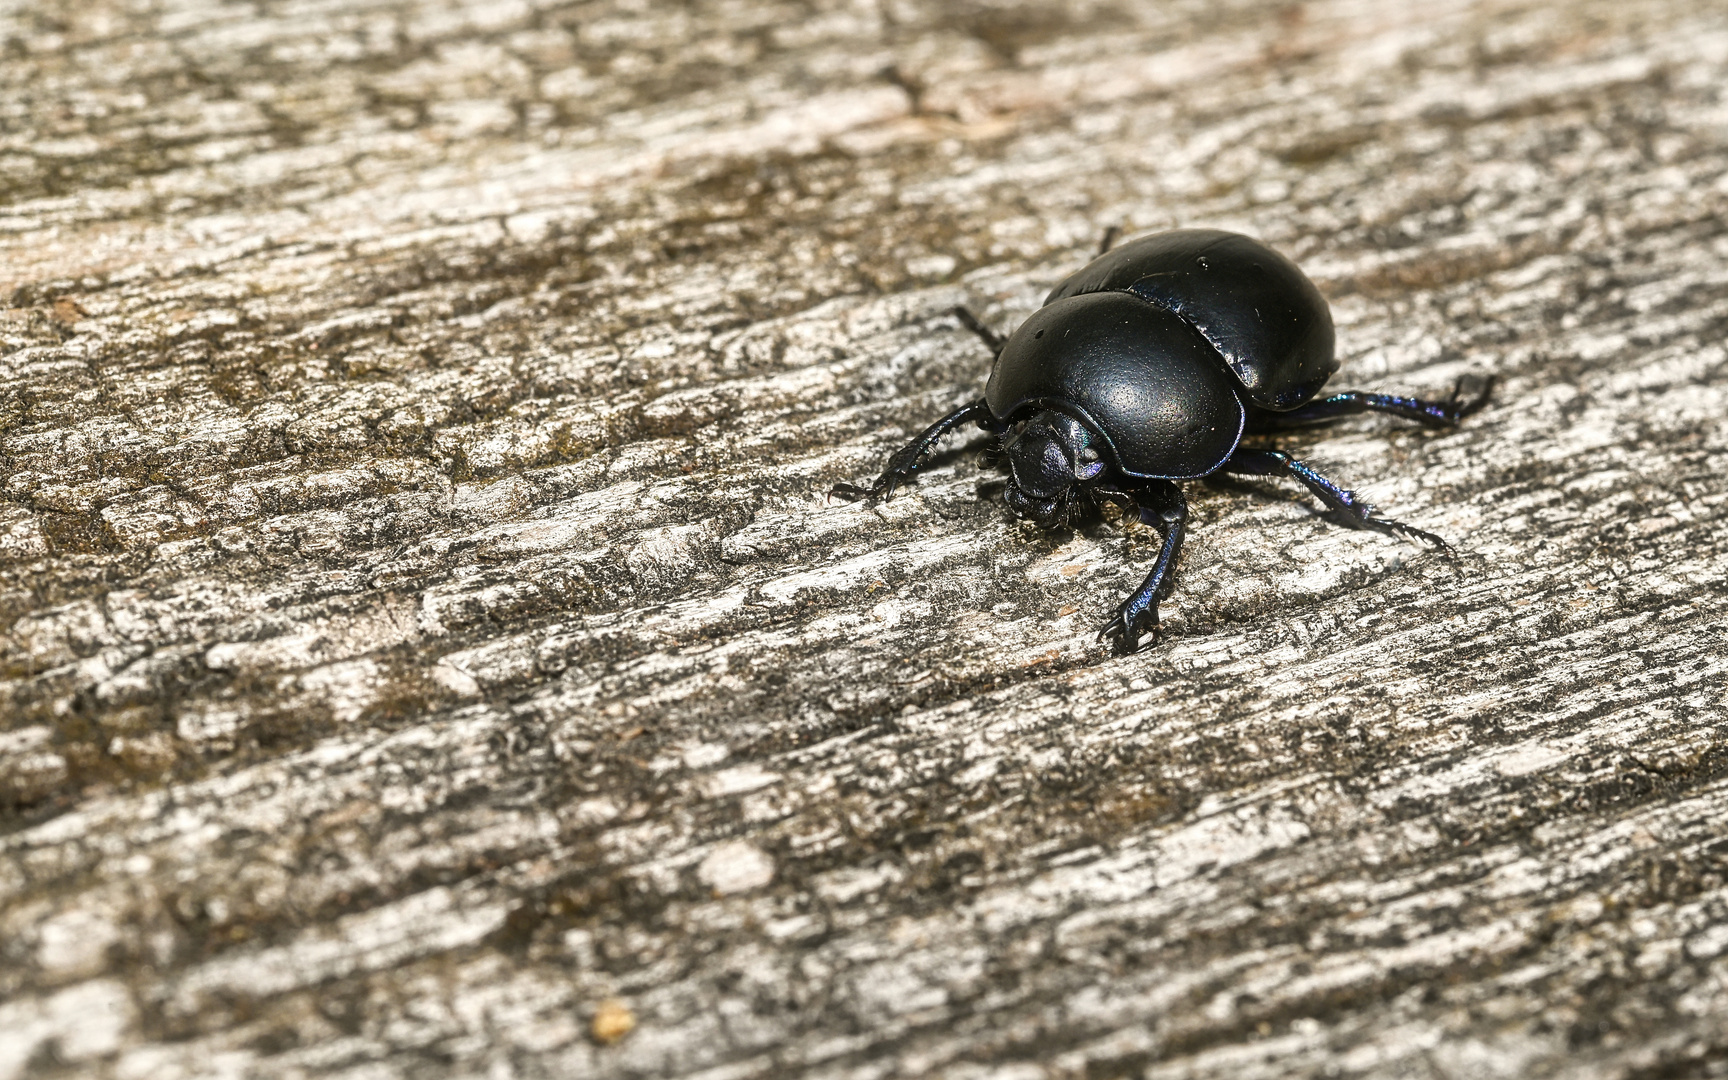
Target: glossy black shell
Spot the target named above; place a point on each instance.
(1157, 345)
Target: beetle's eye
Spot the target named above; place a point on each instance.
(1088, 456)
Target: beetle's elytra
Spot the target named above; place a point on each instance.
(1147, 367)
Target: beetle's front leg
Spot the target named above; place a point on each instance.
(911, 457)
(1163, 507)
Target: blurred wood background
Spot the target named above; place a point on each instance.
(425, 648)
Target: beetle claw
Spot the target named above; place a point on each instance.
(1364, 516)
(880, 491)
(1457, 408)
(1125, 628)
(1398, 528)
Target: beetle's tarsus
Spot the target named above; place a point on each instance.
(907, 460)
(1398, 528)
(881, 490)
(1459, 408)
(1125, 629)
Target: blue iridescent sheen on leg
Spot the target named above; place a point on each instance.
(1351, 508)
(1162, 506)
(1438, 414)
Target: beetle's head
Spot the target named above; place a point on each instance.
(1048, 456)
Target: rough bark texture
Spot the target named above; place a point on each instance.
(425, 648)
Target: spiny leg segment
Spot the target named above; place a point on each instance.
(1162, 506)
(1355, 511)
(911, 457)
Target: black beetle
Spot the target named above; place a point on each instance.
(1148, 367)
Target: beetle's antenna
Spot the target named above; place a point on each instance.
(990, 337)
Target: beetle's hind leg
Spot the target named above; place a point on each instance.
(1435, 414)
(1351, 507)
(1163, 507)
(911, 457)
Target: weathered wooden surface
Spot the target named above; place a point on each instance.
(425, 648)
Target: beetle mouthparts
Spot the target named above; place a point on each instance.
(1043, 512)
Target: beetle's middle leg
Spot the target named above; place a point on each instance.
(1356, 511)
(1163, 507)
(911, 457)
(1436, 414)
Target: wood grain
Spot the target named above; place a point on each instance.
(426, 649)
